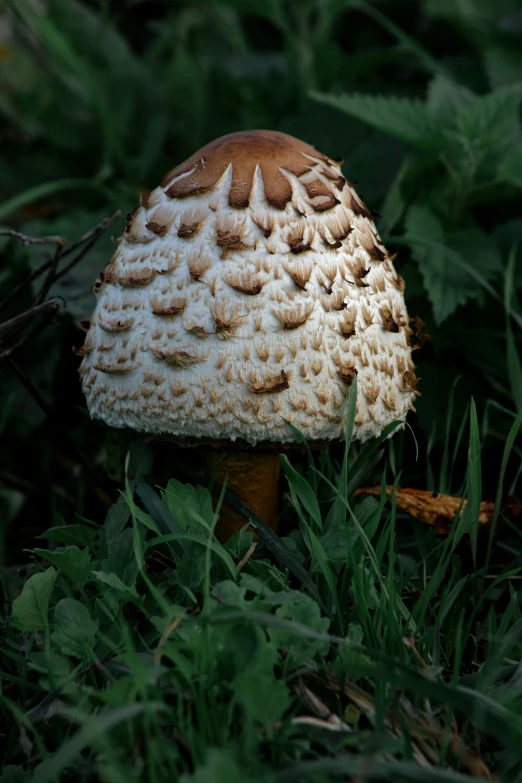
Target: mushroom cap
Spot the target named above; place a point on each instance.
(246, 292)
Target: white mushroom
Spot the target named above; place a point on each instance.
(249, 288)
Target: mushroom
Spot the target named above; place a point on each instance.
(247, 291)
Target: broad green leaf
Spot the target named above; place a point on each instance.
(446, 99)
(263, 698)
(111, 580)
(120, 558)
(188, 504)
(31, 607)
(74, 629)
(219, 767)
(405, 118)
(75, 563)
(446, 284)
(80, 535)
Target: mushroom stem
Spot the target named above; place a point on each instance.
(253, 478)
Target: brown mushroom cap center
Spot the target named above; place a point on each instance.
(245, 150)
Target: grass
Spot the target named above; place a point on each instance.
(354, 642)
(358, 644)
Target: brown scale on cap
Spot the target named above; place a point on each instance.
(273, 383)
(168, 307)
(115, 324)
(245, 150)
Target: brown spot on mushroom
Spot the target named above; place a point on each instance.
(346, 373)
(244, 283)
(198, 265)
(83, 350)
(297, 245)
(168, 307)
(263, 351)
(177, 358)
(388, 321)
(316, 365)
(398, 282)
(418, 336)
(359, 208)
(115, 324)
(347, 324)
(112, 369)
(137, 279)
(376, 253)
(157, 228)
(299, 403)
(316, 340)
(300, 273)
(274, 383)
(197, 331)
(389, 400)
(410, 382)
(295, 317)
(227, 319)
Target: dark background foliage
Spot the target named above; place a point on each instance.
(420, 97)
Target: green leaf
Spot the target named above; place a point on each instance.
(510, 167)
(32, 605)
(492, 120)
(263, 698)
(503, 65)
(188, 505)
(305, 612)
(302, 489)
(74, 629)
(75, 563)
(405, 118)
(120, 559)
(447, 285)
(514, 365)
(81, 535)
(111, 580)
(93, 729)
(219, 767)
(446, 99)
(13, 774)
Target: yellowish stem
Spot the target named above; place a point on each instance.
(253, 478)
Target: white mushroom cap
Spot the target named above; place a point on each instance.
(247, 290)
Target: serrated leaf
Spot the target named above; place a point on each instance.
(405, 118)
(446, 98)
(74, 562)
(111, 580)
(447, 285)
(510, 166)
(81, 535)
(31, 607)
(74, 629)
(492, 120)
